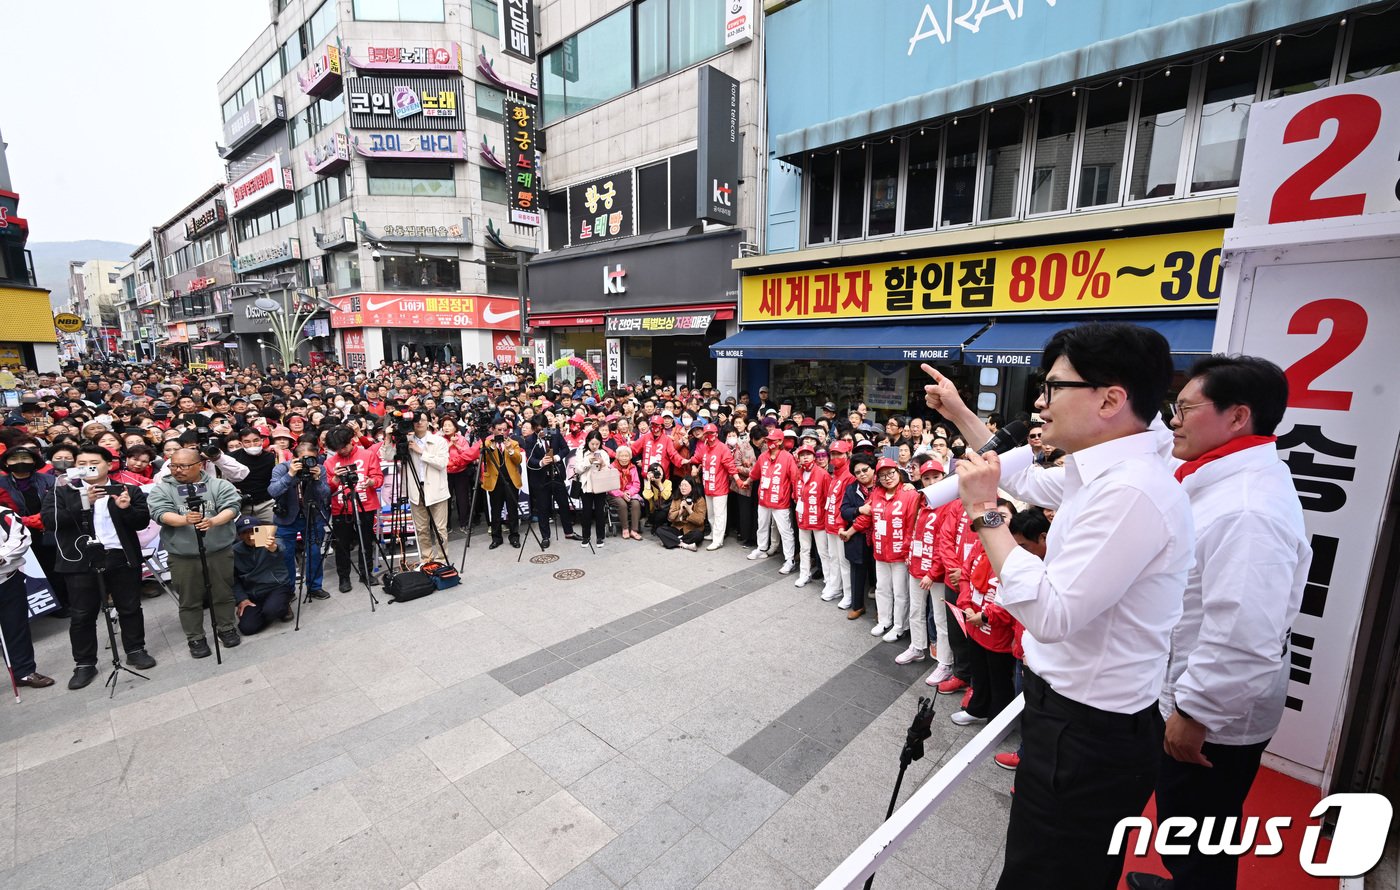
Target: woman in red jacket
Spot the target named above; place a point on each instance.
(924, 572)
(837, 569)
(812, 483)
(893, 509)
(990, 628)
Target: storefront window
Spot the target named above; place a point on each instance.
(960, 171)
(1303, 63)
(1229, 92)
(1056, 122)
(588, 68)
(1161, 126)
(411, 178)
(420, 273)
(884, 188)
(1105, 137)
(821, 171)
(921, 182)
(1001, 174)
(850, 204)
(1374, 49)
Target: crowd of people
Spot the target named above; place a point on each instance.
(102, 464)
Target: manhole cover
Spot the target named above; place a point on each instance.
(568, 574)
(544, 559)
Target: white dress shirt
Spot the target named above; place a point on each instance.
(102, 524)
(1229, 666)
(1100, 608)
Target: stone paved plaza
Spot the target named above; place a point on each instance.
(669, 720)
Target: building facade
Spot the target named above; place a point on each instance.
(27, 335)
(363, 141)
(650, 113)
(196, 270)
(993, 176)
(94, 293)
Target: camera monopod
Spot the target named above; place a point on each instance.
(920, 729)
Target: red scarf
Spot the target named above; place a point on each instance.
(1230, 447)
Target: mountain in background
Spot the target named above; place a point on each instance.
(51, 261)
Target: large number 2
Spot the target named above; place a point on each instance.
(1348, 330)
(1358, 119)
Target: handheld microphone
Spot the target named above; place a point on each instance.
(1014, 459)
(1007, 438)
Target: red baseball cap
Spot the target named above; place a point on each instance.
(774, 436)
(711, 428)
(930, 466)
(840, 446)
(886, 463)
(807, 448)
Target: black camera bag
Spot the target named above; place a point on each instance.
(411, 586)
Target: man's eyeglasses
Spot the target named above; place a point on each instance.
(1179, 410)
(175, 466)
(1048, 387)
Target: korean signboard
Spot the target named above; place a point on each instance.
(11, 224)
(285, 252)
(601, 209)
(503, 348)
(408, 58)
(419, 103)
(659, 324)
(323, 72)
(212, 216)
(455, 233)
(247, 120)
(353, 344)
(738, 22)
(517, 28)
(420, 311)
(428, 146)
(1178, 271)
(263, 181)
(328, 155)
(522, 167)
(717, 168)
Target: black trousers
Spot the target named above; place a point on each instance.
(346, 540)
(671, 536)
(741, 506)
(993, 679)
(858, 583)
(85, 602)
(14, 624)
(266, 608)
(1082, 770)
(961, 645)
(459, 486)
(506, 496)
(1187, 789)
(548, 499)
(594, 518)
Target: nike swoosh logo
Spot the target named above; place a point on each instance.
(490, 316)
(375, 306)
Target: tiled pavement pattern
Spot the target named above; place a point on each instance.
(672, 719)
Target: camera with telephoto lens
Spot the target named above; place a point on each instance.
(210, 446)
(482, 413)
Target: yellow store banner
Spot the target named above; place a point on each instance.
(1175, 271)
(26, 316)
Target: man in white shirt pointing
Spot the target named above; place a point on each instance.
(1228, 673)
(1098, 610)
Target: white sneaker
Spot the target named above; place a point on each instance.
(879, 630)
(830, 595)
(715, 546)
(801, 581)
(895, 633)
(940, 673)
(710, 536)
(910, 655)
(758, 554)
(786, 569)
(691, 547)
(844, 604)
(963, 718)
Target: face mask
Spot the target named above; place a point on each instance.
(340, 403)
(21, 468)
(61, 463)
(732, 441)
(254, 450)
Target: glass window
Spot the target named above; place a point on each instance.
(1160, 128)
(685, 168)
(412, 178)
(652, 30)
(884, 189)
(557, 219)
(1303, 63)
(490, 103)
(960, 171)
(1056, 122)
(502, 273)
(1374, 49)
(1105, 137)
(493, 186)
(1001, 173)
(292, 52)
(653, 198)
(399, 10)
(1229, 91)
(821, 195)
(346, 271)
(921, 182)
(589, 68)
(231, 107)
(420, 272)
(321, 23)
(697, 31)
(270, 74)
(850, 199)
(486, 17)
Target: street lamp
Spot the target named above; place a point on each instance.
(288, 320)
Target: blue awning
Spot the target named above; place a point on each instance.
(854, 343)
(1020, 343)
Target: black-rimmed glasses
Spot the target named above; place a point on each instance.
(1048, 387)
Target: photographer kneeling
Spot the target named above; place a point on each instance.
(261, 587)
(685, 521)
(189, 503)
(96, 519)
(299, 488)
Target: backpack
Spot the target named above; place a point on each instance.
(410, 586)
(443, 575)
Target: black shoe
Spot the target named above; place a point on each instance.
(544, 543)
(494, 545)
(200, 648)
(1141, 880)
(570, 536)
(83, 674)
(372, 581)
(287, 615)
(345, 585)
(60, 613)
(229, 638)
(515, 543)
(317, 593)
(140, 659)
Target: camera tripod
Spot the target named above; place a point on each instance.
(921, 728)
(550, 472)
(97, 558)
(357, 510)
(476, 488)
(402, 459)
(313, 525)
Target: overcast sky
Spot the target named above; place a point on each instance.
(111, 109)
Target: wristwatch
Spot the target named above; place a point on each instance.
(993, 518)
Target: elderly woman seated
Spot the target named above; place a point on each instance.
(626, 499)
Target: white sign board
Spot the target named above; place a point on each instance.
(738, 22)
(614, 353)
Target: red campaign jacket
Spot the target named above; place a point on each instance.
(716, 466)
(649, 449)
(366, 462)
(811, 498)
(891, 522)
(777, 480)
(836, 492)
(979, 593)
(923, 554)
(951, 530)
